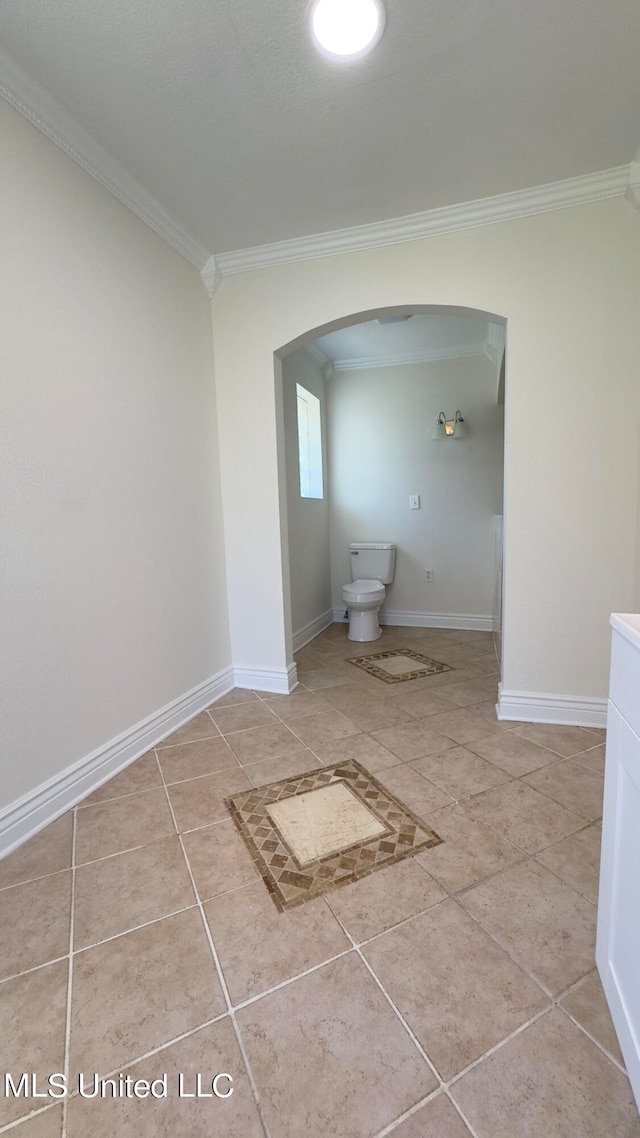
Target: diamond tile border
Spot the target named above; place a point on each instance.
(368, 664)
(288, 883)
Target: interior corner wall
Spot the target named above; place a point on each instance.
(567, 284)
(636, 589)
(113, 575)
(381, 452)
(308, 518)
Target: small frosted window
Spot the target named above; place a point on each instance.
(309, 444)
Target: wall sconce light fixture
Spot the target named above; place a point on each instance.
(449, 428)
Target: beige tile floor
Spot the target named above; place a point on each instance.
(453, 994)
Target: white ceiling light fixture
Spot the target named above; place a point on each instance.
(346, 29)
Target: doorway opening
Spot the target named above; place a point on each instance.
(410, 405)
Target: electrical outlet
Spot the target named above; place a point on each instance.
(428, 574)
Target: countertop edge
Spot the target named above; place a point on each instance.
(628, 625)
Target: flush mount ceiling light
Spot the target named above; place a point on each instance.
(346, 29)
(449, 428)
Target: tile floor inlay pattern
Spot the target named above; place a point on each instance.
(452, 994)
(399, 665)
(324, 821)
(326, 828)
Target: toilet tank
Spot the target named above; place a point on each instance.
(372, 561)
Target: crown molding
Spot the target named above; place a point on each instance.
(495, 335)
(211, 276)
(422, 356)
(633, 189)
(32, 101)
(315, 353)
(494, 346)
(432, 223)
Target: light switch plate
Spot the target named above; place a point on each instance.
(414, 501)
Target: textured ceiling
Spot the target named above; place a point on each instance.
(224, 112)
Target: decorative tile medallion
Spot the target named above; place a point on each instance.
(399, 664)
(324, 829)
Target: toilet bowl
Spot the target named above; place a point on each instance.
(372, 567)
(362, 599)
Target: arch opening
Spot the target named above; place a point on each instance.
(378, 455)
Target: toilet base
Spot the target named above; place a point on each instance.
(363, 625)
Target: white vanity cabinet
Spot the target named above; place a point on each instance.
(618, 939)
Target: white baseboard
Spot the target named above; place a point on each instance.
(542, 707)
(36, 809)
(280, 681)
(460, 620)
(313, 629)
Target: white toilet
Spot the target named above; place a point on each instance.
(372, 566)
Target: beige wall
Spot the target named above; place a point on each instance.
(308, 518)
(113, 587)
(568, 285)
(381, 451)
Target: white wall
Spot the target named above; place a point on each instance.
(113, 577)
(381, 451)
(308, 518)
(636, 589)
(568, 285)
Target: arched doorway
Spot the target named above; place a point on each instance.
(308, 524)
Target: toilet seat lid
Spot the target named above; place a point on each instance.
(363, 588)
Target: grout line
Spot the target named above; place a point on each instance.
(505, 948)
(496, 1047)
(233, 889)
(586, 766)
(169, 1043)
(253, 727)
(407, 1114)
(221, 980)
(129, 849)
(207, 774)
(116, 797)
(149, 1054)
(574, 985)
(36, 968)
(39, 877)
(67, 1038)
(593, 1039)
(398, 924)
(387, 997)
(459, 894)
(291, 979)
(246, 768)
(205, 825)
(8, 1126)
(174, 747)
(403, 1021)
(526, 853)
(462, 1115)
(525, 857)
(355, 947)
(133, 929)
